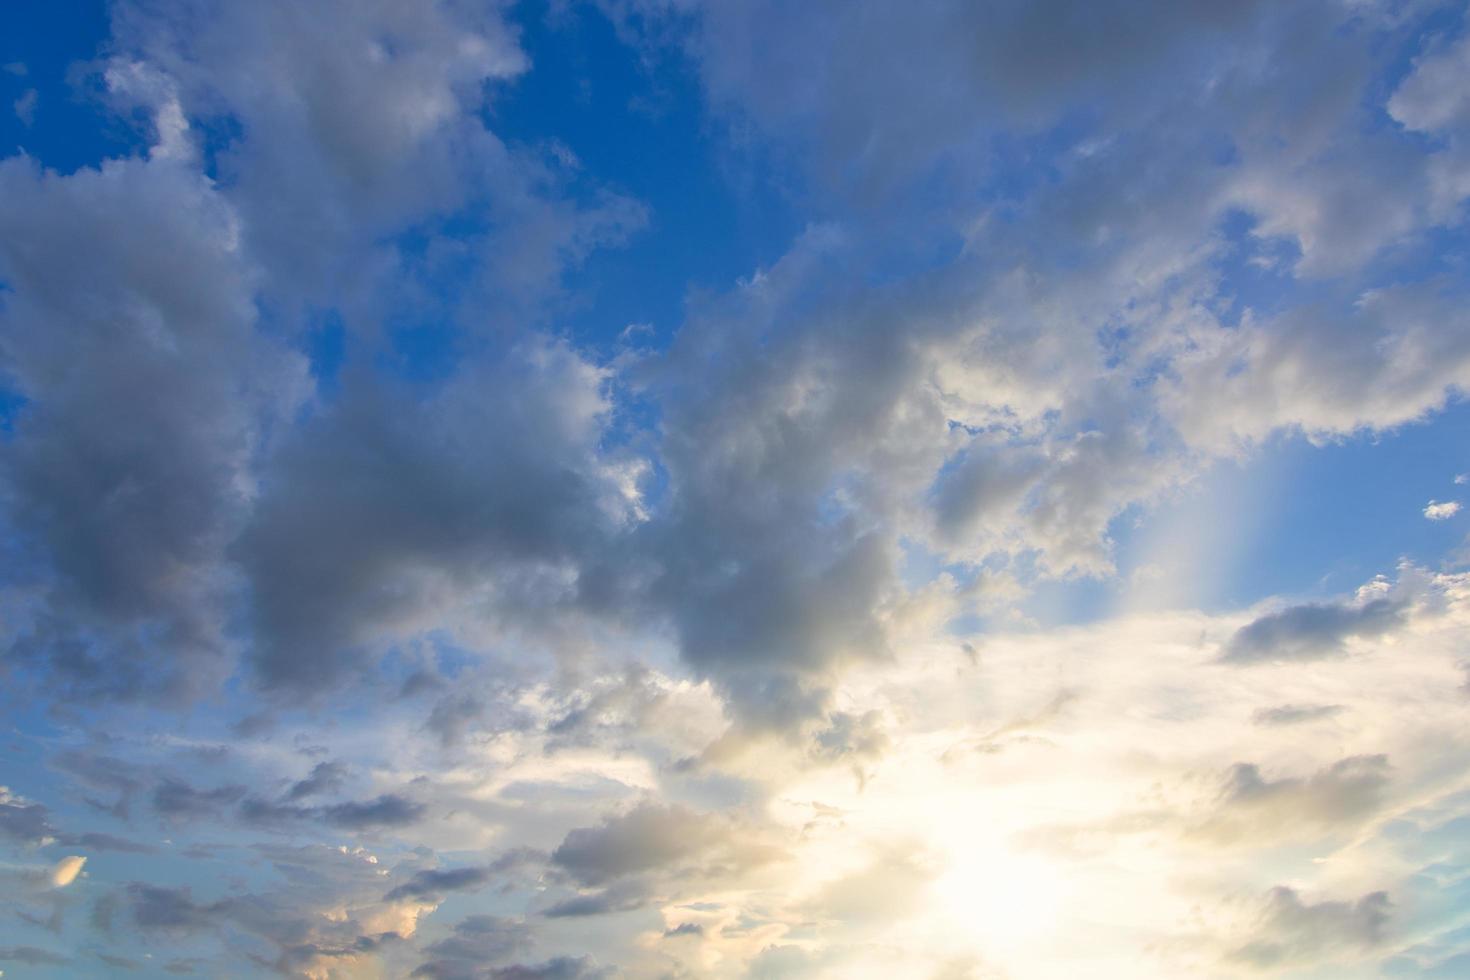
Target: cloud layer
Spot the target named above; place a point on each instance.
(377, 602)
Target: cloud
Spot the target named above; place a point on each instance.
(129, 510)
(476, 941)
(387, 810)
(1441, 511)
(1430, 97)
(559, 968)
(108, 842)
(835, 80)
(1301, 369)
(32, 956)
(653, 837)
(1338, 795)
(25, 106)
(433, 884)
(66, 870)
(623, 897)
(891, 887)
(630, 611)
(409, 530)
(1293, 932)
(353, 127)
(325, 777)
(1312, 631)
(254, 810)
(131, 513)
(155, 907)
(176, 798)
(1294, 714)
(647, 837)
(24, 820)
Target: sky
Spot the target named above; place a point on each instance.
(588, 489)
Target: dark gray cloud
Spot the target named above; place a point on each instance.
(104, 773)
(455, 716)
(325, 777)
(1293, 932)
(262, 812)
(477, 941)
(646, 838)
(305, 922)
(772, 557)
(173, 797)
(433, 884)
(394, 514)
(169, 909)
(388, 810)
(24, 820)
(1312, 631)
(385, 811)
(32, 956)
(559, 968)
(130, 330)
(653, 853)
(625, 896)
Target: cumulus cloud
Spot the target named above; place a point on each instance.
(148, 388)
(1441, 510)
(477, 505)
(310, 416)
(345, 144)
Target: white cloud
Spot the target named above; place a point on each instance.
(1441, 510)
(66, 870)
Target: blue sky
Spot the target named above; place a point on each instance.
(687, 488)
